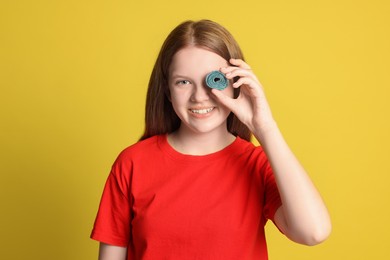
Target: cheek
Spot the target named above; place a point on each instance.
(177, 98)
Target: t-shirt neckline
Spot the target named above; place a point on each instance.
(162, 141)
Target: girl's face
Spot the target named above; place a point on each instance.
(191, 99)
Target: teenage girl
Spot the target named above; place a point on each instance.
(194, 186)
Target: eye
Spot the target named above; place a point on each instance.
(183, 82)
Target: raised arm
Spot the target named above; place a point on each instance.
(303, 216)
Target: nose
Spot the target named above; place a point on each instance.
(200, 93)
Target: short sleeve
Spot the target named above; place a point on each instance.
(113, 221)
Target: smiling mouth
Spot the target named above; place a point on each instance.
(202, 111)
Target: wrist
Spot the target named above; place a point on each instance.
(262, 131)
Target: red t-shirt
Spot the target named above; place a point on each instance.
(162, 204)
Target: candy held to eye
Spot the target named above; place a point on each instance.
(217, 80)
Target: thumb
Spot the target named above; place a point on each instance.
(225, 100)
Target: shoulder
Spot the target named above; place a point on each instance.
(140, 152)
(248, 148)
(253, 156)
(141, 148)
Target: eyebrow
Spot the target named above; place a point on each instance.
(174, 76)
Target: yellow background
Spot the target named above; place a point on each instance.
(73, 77)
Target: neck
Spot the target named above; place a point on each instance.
(199, 143)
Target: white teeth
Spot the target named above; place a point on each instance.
(202, 111)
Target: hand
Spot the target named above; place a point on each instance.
(251, 106)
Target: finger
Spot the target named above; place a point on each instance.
(251, 83)
(241, 73)
(240, 63)
(231, 69)
(223, 99)
(237, 64)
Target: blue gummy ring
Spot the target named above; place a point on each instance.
(217, 80)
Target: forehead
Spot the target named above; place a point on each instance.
(190, 59)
